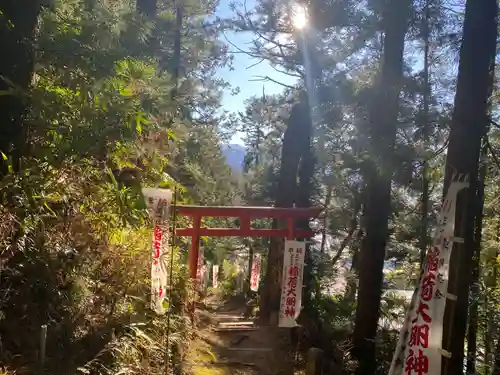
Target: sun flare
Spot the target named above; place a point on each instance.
(299, 16)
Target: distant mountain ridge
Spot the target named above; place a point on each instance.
(235, 155)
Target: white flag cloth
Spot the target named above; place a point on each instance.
(215, 276)
(204, 277)
(255, 275)
(199, 270)
(159, 270)
(419, 347)
(291, 288)
(158, 202)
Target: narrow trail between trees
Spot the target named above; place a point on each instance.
(228, 343)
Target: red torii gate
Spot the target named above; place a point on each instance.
(245, 216)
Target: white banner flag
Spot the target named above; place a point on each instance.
(255, 275)
(291, 288)
(158, 202)
(419, 347)
(201, 261)
(215, 276)
(204, 277)
(159, 270)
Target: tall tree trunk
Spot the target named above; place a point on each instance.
(295, 141)
(352, 286)
(308, 49)
(147, 7)
(383, 124)
(487, 335)
(150, 8)
(17, 34)
(424, 201)
(496, 364)
(305, 188)
(491, 284)
(473, 323)
(468, 127)
(179, 13)
(491, 327)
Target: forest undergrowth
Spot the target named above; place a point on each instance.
(99, 123)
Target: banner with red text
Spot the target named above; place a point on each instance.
(419, 347)
(291, 287)
(215, 276)
(255, 275)
(159, 270)
(158, 202)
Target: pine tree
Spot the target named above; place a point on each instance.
(468, 127)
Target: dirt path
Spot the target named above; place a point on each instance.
(227, 343)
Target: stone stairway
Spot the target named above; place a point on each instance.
(240, 346)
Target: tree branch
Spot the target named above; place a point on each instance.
(267, 78)
(350, 233)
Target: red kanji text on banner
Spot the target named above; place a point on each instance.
(158, 202)
(291, 288)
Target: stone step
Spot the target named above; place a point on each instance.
(234, 324)
(235, 329)
(226, 320)
(228, 316)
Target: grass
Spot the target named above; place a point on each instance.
(199, 357)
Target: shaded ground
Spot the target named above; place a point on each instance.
(226, 343)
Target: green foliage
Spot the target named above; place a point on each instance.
(342, 49)
(76, 240)
(228, 284)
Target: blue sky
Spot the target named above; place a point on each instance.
(243, 76)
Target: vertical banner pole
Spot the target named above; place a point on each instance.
(170, 282)
(43, 346)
